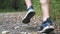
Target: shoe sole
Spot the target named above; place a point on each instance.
(28, 17)
(47, 29)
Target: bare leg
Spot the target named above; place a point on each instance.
(45, 9)
(28, 3)
(47, 25)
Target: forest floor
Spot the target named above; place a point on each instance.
(12, 22)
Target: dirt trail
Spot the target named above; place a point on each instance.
(12, 22)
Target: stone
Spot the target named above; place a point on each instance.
(5, 32)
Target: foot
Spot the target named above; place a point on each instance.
(46, 26)
(30, 13)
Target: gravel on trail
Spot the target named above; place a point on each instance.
(12, 22)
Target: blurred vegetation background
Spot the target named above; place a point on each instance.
(19, 5)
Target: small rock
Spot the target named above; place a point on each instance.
(5, 32)
(16, 27)
(25, 33)
(22, 32)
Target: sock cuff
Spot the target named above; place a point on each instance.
(31, 7)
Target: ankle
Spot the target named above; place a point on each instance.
(47, 19)
(30, 7)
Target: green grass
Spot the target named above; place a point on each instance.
(54, 9)
(7, 10)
